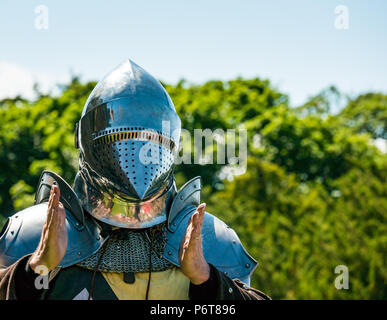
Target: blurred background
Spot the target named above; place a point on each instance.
(307, 79)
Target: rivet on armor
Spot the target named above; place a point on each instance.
(79, 253)
(247, 265)
(230, 290)
(169, 253)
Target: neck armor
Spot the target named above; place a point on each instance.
(129, 251)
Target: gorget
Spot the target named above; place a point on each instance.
(128, 251)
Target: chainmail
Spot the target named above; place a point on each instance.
(128, 251)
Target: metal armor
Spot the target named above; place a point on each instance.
(127, 136)
(221, 246)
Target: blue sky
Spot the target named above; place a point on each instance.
(293, 43)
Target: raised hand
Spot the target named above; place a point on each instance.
(192, 261)
(53, 241)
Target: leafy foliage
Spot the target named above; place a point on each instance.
(314, 195)
(367, 113)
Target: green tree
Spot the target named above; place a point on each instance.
(220, 105)
(299, 232)
(313, 196)
(367, 113)
(35, 136)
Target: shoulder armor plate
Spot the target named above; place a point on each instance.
(67, 195)
(21, 235)
(221, 245)
(188, 195)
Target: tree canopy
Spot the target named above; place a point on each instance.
(314, 195)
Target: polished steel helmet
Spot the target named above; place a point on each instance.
(127, 136)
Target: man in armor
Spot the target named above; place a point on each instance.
(123, 231)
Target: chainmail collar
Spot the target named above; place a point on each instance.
(128, 251)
